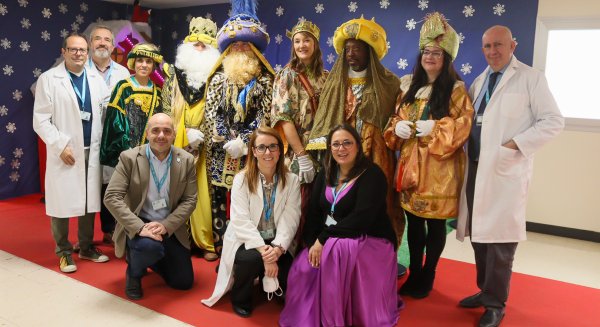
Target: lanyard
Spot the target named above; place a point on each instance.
(269, 206)
(110, 68)
(80, 94)
(335, 197)
(158, 183)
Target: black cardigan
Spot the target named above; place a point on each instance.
(362, 211)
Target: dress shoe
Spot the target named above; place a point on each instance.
(133, 287)
(410, 283)
(424, 284)
(401, 270)
(491, 317)
(241, 311)
(473, 301)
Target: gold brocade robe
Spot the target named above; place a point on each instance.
(434, 165)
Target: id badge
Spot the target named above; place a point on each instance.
(330, 221)
(85, 115)
(479, 120)
(159, 204)
(267, 234)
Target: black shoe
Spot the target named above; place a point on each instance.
(473, 301)
(491, 317)
(133, 287)
(424, 284)
(411, 282)
(401, 270)
(241, 311)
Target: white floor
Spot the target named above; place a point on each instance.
(31, 295)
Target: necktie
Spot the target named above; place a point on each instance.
(475, 136)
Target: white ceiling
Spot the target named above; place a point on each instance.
(163, 4)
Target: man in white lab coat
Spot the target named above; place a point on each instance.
(516, 115)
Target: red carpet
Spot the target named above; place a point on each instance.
(534, 301)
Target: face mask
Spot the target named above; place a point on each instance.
(271, 286)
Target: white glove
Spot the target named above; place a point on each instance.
(195, 137)
(424, 127)
(403, 129)
(307, 169)
(236, 148)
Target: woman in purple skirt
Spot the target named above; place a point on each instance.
(347, 275)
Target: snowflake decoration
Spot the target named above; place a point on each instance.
(5, 43)
(423, 4)
(18, 153)
(3, 9)
(83, 7)
(330, 58)
(45, 35)
(301, 19)
(208, 15)
(278, 67)
(24, 46)
(279, 11)
(411, 24)
(46, 13)
(2, 160)
(319, 8)
(174, 35)
(79, 19)
(37, 72)
(23, 3)
(17, 95)
(229, 13)
(499, 9)
(14, 176)
(278, 38)
(330, 41)
(384, 4)
(402, 63)
(114, 14)
(263, 26)
(11, 127)
(188, 18)
(99, 20)
(461, 37)
(388, 45)
(64, 33)
(466, 68)
(3, 111)
(25, 23)
(74, 27)
(352, 6)
(15, 164)
(468, 11)
(8, 70)
(63, 8)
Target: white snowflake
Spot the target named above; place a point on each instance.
(18, 153)
(279, 11)
(263, 26)
(301, 19)
(15, 164)
(330, 58)
(402, 63)
(24, 46)
(11, 127)
(25, 23)
(3, 9)
(74, 27)
(79, 19)
(64, 33)
(229, 13)
(23, 3)
(3, 111)
(384, 4)
(499, 9)
(461, 37)
(388, 45)
(330, 41)
(466, 68)
(99, 20)
(278, 38)
(114, 14)
(319, 8)
(17, 95)
(208, 15)
(14, 176)
(188, 18)
(63, 8)
(8, 70)
(37, 72)
(174, 35)
(352, 6)
(46, 13)
(5, 43)
(83, 7)
(423, 4)
(468, 11)
(411, 24)
(278, 67)
(2, 160)
(45, 35)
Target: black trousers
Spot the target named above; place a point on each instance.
(248, 265)
(107, 221)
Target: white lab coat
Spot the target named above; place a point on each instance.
(56, 119)
(522, 109)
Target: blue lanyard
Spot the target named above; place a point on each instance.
(80, 94)
(158, 183)
(110, 68)
(269, 206)
(335, 196)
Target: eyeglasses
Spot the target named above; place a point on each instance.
(263, 148)
(433, 54)
(345, 144)
(77, 50)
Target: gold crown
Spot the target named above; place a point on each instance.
(437, 32)
(304, 26)
(203, 30)
(361, 29)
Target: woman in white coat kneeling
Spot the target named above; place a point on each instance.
(265, 212)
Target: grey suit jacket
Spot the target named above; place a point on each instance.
(128, 188)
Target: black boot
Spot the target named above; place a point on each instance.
(411, 282)
(424, 285)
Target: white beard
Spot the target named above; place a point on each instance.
(196, 64)
(101, 53)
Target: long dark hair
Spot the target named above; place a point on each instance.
(316, 65)
(331, 167)
(252, 172)
(441, 92)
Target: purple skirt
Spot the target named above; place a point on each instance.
(355, 286)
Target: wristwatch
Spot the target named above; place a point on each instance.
(283, 251)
